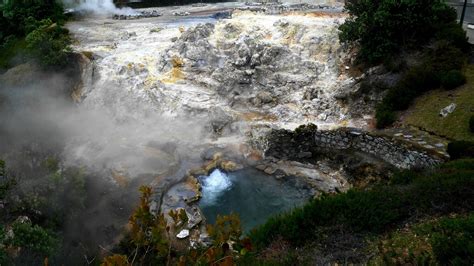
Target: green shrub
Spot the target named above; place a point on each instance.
(445, 241)
(384, 28)
(455, 35)
(461, 149)
(419, 79)
(443, 57)
(19, 16)
(460, 164)
(395, 64)
(471, 124)
(404, 177)
(32, 241)
(453, 241)
(50, 44)
(452, 79)
(384, 116)
(397, 98)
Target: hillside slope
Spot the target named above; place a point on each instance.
(424, 113)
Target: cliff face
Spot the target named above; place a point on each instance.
(286, 66)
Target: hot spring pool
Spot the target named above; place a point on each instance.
(250, 193)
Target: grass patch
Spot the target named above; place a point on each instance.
(424, 113)
(445, 241)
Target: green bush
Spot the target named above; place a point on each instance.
(461, 149)
(50, 44)
(32, 19)
(384, 116)
(443, 57)
(419, 79)
(445, 241)
(20, 16)
(455, 35)
(31, 243)
(453, 241)
(452, 79)
(32, 239)
(395, 64)
(471, 124)
(383, 28)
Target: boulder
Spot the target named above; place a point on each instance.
(183, 234)
(447, 110)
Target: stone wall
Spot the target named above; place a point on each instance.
(399, 154)
(307, 141)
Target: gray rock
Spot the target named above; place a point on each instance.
(305, 154)
(270, 170)
(447, 110)
(265, 97)
(183, 234)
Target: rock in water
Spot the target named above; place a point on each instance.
(183, 234)
(447, 110)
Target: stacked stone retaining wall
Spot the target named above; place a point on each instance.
(305, 141)
(395, 152)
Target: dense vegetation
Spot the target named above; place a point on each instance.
(384, 28)
(384, 31)
(33, 211)
(33, 28)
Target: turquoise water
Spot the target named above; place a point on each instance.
(252, 194)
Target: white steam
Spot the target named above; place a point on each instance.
(102, 7)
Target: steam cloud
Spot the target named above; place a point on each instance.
(38, 119)
(103, 7)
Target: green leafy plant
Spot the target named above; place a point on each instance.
(383, 28)
(384, 116)
(28, 240)
(452, 79)
(50, 44)
(461, 149)
(20, 16)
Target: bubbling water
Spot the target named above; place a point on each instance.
(251, 194)
(215, 185)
